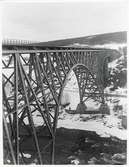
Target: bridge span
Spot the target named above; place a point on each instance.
(34, 78)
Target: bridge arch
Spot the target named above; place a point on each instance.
(89, 76)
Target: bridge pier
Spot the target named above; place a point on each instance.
(104, 108)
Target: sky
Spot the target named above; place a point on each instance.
(52, 21)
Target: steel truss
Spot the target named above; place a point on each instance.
(33, 81)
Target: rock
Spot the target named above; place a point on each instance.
(96, 145)
(84, 119)
(81, 108)
(73, 160)
(35, 161)
(92, 160)
(104, 109)
(87, 140)
(124, 121)
(106, 158)
(72, 157)
(119, 158)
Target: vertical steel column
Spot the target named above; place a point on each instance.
(55, 116)
(9, 140)
(54, 136)
(30, 72)
(16, 120)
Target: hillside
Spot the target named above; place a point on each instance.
(99, 39)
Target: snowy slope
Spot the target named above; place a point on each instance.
(105, 127)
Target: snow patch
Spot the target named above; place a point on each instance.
(8, 160)
(26, 155)
(75, 161)
(115, 62)
(106, 127)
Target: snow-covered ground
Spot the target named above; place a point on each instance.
(109, 125)
(105, 127)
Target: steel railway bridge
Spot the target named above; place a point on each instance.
(33, 81)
